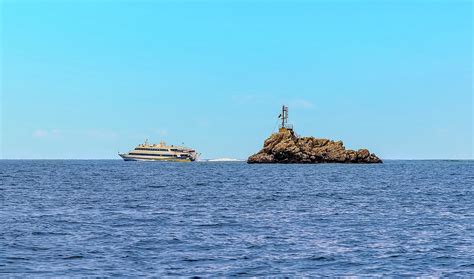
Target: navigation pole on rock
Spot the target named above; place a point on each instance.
(284, 119)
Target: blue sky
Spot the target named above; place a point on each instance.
(85, 79)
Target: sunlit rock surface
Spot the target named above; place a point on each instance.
(286, 147)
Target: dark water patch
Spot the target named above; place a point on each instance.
(41, 233)
(198, 260)
(74, 257)
(156, 186)
(16, 259)
(321, 258)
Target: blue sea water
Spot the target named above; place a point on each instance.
(115, 218)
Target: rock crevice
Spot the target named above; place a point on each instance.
(286, 147)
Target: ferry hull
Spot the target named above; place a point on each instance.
(127, 157)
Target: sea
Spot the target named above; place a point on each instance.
(110, 218)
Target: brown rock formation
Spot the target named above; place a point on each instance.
(286, 147)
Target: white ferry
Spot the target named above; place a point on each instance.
(160, 152)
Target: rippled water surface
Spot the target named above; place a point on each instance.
(115, 218)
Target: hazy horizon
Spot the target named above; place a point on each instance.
(86, 79)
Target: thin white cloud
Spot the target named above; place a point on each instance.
(301, 103)
(43, 133)
(245, 99)
(99, 134)
(40, 134)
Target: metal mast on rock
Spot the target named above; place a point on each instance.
(284, 119)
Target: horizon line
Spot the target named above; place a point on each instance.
(203, 160)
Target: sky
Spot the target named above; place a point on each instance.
(87, 79)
